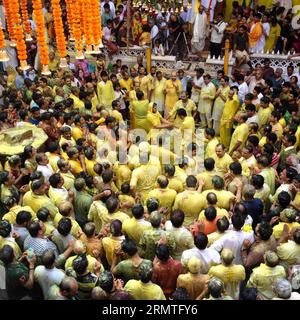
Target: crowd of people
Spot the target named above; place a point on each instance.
(148, 187)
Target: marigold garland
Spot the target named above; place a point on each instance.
(40, 31)
(2, 38)
(9, 21)
(96, 25)
(69, 5)
(59, 29)
(77, 25)
(25, 17)
(87, 22)
(18, 30)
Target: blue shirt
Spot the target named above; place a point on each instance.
(255, 209)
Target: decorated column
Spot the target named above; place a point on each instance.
(87, 25)
(69, 4)
(3, 54)
(41, 36)
(18, 33)
(96, 27)
(59, 33)
(9, 23)
(77, 29)
(25, 18)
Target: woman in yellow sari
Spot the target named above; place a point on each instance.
(255, 33)
(137, 27)
(173, 88)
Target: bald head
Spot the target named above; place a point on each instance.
(65, 208)
(162, 181)
(98, 294)
(69, 287)
(79, 247)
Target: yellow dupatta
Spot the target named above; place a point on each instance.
(255, 34)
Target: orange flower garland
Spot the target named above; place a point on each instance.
(59, 29)
(2, 38)
(18, 32)
(96, 26)
(87, 24)
(77, 28)
(70, 19)
(9, 20)
(40, 31)
(25, 17)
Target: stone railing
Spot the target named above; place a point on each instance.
(212, 65)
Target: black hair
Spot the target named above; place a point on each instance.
(177, 218)
(34, 228)
(201, 241)
(162, 252)
(237, 221)
(210, 213)
(43, 214)
(129, 247)
(23, 216)
(236, 168)
(284, 199)
(64, 226)
(209, 164)
(138, 211)
(112, 204)
(191, 181)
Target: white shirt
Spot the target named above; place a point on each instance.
(233, 240)
(253, 119)
(217, 36)
(208, 257)
(48, 277)
(154, 31)
(243, 90)
(111, 5)
(47, 171)
(106, 33)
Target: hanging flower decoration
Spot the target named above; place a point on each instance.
(59, 31)
(77, 29)
(18, 33)
(25, 18)
(3, 54)
(87, 24)
(9, 22)
(69, 5)
(96, 25)
(41, 37)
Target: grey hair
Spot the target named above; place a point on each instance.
(282, 288)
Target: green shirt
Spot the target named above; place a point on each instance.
(15, 288)
(127, 270)
(82, 204)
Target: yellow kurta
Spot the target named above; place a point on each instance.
(274, 34)
(140, 112)
(240, 134)
(230, 109)
(211, 147)
(207, 95)
(158, 94)
(172, 94)
(106, 94)
(222, 164)
(144, 85)
(264, 116)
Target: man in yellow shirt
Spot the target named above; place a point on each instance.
(57, 192)
(78, 104)
(144, 177)
(36, 198)
(289, 252)
(174, 183)
(144, 289)
(105, 91)
(158, 94)
(207, 175)
(163, 194)
(212, 142)
(240, 134)
(229, 273)
(264, 276)
(229, 110)
(222, 160)
(64, 169)
(190, 201)
(248, 161)
(135, 226)
(274, 122)
(264, 111)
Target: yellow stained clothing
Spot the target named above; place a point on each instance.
(132, 97)
(77, 133)
(271, 39)
(140, 112)
(189, 107)
(263, 193)
(134, 228)
(89, 164)
(166, 197)
(144, 291)
(154, 120)
(38, 201)
(222, 164)
(188, 123)
(49, 228)
(282, 122)
(110, 244)
(117, 115)
(145, 39)
(92, 263)
(220, 213)
(53, 158)
(213, 237)
(289, 253)
(11, 215)
(13, 244)
(180, 174)
(264, 116)
(269, 176)
(207, 176)
(211, 147)
(95, 103)
(106, 93)
(126, 198)
(175, 184)
(230, 109)
(263, 277)
(296, 201)
(78, 104)
(144, 85)
(231, 277)
(75, 229)
(57, 196)
(262, 141)
(277, 128)
(76, 166)
(126, 84)
(207, 95)
(158, 94)
(144, 178)
(172, 94)
(224, 197)
(191, 202)
(123, 174)
(68, 180)
(240, 134)
(278, 229)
